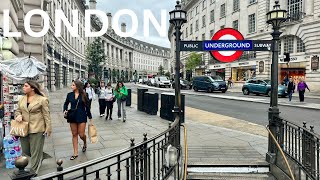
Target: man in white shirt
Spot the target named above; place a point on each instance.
(90, 91)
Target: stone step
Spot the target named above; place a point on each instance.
(230, 176)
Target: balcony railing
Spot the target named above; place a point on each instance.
(295, 16)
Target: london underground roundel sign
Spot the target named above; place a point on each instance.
(227, 34)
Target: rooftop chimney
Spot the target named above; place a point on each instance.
(109, 20)
(123, 27)
(93, 4)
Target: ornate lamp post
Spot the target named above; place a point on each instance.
(275, 17)
(177, 18)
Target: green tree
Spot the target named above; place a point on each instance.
(193, 61)
(167, 74)
(161, 70)
(95, 56)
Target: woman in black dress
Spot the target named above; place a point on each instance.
(80, 102)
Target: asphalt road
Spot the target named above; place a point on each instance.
(250, 111)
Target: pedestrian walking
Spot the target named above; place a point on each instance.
(79, 101)
(230, 83)
(34, 109)
(101, 91)
(302, 86)
(110, 99)
(91, 94)
(121, 94)
(291, 88)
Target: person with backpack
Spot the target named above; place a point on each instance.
(302, 86)
(291, 88)
(102, 98)
(110, 99)
(91, 94)
(121, 94)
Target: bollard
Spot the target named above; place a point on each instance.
(140, 98)
(21, 163)
(128, 101)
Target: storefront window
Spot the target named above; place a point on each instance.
(243, 73)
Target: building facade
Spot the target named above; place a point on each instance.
(300, 34)
(64, 56)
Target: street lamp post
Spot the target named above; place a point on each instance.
(177, 18)
(275, 17)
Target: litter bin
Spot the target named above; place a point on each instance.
(140, 98)
(128, 101)
(150, 104)
(167, 107)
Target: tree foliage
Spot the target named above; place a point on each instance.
(193, 61)
(95, 56)
(167, 74)
(161, 70)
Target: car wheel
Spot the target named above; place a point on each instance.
(224, 91)
(246, 91)
(195, 88)
(210, 90)
(173, 86)
(283, 96)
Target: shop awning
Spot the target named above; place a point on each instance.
(22, 68)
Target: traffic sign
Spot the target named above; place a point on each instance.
(227, 34)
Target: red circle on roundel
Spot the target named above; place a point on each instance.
(233, 32)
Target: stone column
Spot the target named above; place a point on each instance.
(60, 85)
(74, 69)
(53, 77)
(68, 71)
(80, 68)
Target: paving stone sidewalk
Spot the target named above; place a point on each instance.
(115, 135)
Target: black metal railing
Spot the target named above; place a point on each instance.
(302, 146)
(143, 161)
(295, 16)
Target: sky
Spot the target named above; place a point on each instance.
(138, 6)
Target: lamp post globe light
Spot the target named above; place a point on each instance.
(275, 17)
(177, 18)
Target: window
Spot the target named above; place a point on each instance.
(196, 38)
(235, 5)
(252, 23)
(197, 25)
(252, 1)
(223, 10)
(295, 10)
(211, 33)
(235, 24)
(191, 12)
(279, 47)
(204, 21)
(186, 32)
(222, 27)
(204, 4)
(191, 29)
(203, 36)
(300, 45)
(197, 10)
(288, 44)
(212, 16)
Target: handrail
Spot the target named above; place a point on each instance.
(282, 153)
(109, 156)
(186, 153)
(303, 128)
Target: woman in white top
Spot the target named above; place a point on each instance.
(109, 100)
(90, 91)
(102, 98)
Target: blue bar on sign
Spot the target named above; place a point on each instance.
(227, 45)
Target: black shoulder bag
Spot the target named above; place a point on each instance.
(71, 114)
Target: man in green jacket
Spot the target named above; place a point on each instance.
(121, 94)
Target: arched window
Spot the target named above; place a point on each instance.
(291, 44)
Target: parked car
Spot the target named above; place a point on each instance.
(209, 84)
(162, 81)
(151, 82)
(256, 86)
(184, 84)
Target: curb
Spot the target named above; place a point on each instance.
(233, 98)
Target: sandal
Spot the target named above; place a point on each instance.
(84, 148)
(73, 157)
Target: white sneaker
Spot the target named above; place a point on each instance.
(119, 118)
(124, 119)
(101, 115)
